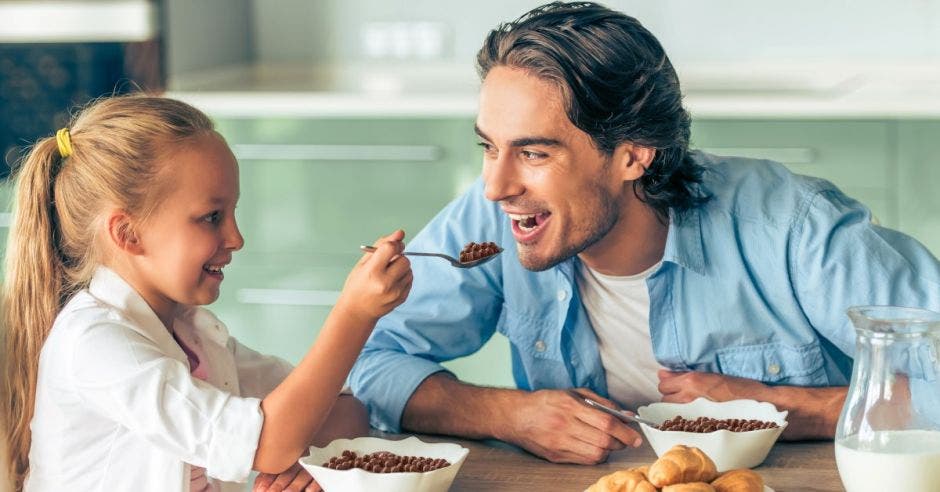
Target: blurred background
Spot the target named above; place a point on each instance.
(351, 118)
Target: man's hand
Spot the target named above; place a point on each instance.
(813, 411)
(548, 423)
(556, 426)
(294, 479)
(683, 387)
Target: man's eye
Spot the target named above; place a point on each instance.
(530, 155)
(212, 218)
(486, 147)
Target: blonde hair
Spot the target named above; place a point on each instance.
(52, 251)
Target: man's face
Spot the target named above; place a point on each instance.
(562, 194)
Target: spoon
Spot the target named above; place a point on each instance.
(453, 261)
(616, 413)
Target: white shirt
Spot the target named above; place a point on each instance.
(117, 407)
(618, 308)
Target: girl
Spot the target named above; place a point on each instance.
(116, 381)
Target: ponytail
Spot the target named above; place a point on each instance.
(32, 294)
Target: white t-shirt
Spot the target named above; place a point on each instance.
(618, 308)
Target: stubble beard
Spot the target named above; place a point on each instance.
(582, 236)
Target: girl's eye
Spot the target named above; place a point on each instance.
(212, 218)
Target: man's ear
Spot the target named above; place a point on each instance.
(632, 160)
(122, 234)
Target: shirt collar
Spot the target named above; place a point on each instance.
(684, 241)
(107, 286)
(683, 244)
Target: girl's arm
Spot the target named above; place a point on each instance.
(296, 409)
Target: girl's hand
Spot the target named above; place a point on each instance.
(294, 479)
(380, 281)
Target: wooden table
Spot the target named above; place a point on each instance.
(495, 467)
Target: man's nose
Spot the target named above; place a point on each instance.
(500, 180)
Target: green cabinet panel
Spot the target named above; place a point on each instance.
(859, 157)
(312, 191)
(919, 180)
(330, 185)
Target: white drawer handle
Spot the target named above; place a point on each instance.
(291, 297)
(299, 152)
(785, 155)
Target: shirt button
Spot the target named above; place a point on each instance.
(562, 295)
(540, 346)
(773, 369)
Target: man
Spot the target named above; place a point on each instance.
(634, 269)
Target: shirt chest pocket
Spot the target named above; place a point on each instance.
(530, 336)
(776, 363)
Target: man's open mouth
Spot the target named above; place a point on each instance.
(527, 225)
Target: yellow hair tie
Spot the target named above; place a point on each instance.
(64, 141)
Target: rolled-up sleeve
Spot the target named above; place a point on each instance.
(155, 397)
(258, 374)
(450, 312)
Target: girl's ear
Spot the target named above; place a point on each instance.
(121, 233)
(632, 160)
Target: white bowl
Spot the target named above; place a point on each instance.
(729, 450)
(357, 479)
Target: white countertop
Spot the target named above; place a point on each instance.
(712, 91)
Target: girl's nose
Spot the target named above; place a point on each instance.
(234, 240)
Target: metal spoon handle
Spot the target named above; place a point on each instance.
(616, 413)
(371, 249)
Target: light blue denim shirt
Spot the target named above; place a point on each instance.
(755, 283)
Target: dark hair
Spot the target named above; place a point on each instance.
(618, 85)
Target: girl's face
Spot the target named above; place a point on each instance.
(192, 233)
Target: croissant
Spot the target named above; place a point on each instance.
(631, 480)
(682, 464)
(739, 481)
(689, 487)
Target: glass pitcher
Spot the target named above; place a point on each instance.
(888, 435)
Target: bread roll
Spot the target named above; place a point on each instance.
(739, 481)
(689, 487)
(682, 464)
(622, 481)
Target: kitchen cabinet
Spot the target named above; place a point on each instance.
(858, 156)
(312, 191)
(919, 181)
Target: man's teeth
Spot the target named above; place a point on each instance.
(213, 269)
(526, 222)
(521, 217)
